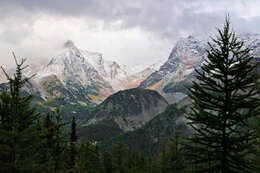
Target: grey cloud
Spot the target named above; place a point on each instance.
(13, 36)
(68, 44)
(165, 18)
(13, 32)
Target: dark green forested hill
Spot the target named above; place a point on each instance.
(128, 109)
(150, 136)
(123, 111)
(156, 132)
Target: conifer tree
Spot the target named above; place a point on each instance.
(48, 125)
(19, 134)
(172, 158)
(82, 159)
(47, 135)
(89, 159)
(120, 158)
(224, 99)
(256, 158)
(107, 162)
(73, 140)
(58, 146)
(97, 160)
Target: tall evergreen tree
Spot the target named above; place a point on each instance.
(172, 158)
(47, 135)
(88, 159)
(59, 142)
(19, 134)
(224, 100)
(82, 159)
(107, 162)
(120, 157)
(256, 157)
(72, 147)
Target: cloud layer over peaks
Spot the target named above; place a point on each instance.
(131, 31)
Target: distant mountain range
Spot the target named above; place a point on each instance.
(110, 99)
(82, 76)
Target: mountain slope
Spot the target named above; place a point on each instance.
(151, 136)
(157, 131)
(72, 71)
(128, 109)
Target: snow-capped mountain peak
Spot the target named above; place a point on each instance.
(79, 74)
(70, 61)
(88, 72)
(187, 54)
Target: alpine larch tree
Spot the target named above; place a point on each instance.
(224, 101)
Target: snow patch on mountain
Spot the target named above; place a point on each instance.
(89, 71)
(187, 54)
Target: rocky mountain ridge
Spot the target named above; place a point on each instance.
(177, 72)
(81, 76)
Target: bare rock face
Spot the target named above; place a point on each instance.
(130, 109)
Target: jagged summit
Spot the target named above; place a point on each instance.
(71, 61)
(75, 70)
(86, 74)
(187, 54)
(184, 56)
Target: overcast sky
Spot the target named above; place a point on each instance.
(129, 31)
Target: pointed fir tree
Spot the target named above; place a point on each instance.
(88, 159)
(256, 157)
(72, 147)
(224, 100)
(120, 151)
(19, 134)
(97, 160)
(47, 135)
(172, 157)
(82, 159)
(59, 142)
(107, 162)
